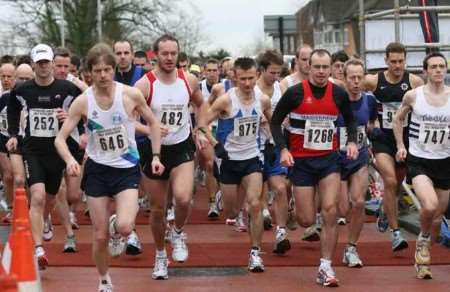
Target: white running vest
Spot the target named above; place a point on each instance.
(240, 132)
(111, 132)
(170, 103)
(274, 99)
(429, 129)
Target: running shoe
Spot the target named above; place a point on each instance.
(423, 272)
(267, 219)
(160, 269)
(398, 242)
(213, 212)
(70, 244)
(240, 225)
(219, 200)
(134, 246)
(351, 257)
(41, 258)
(327, 277)
(311, 233)
(341, 221)
(171, 214)
(73, 220)
(7, 219)
(180, 251)
(382, 221)
(282, 244)
(104, 286)
(116, 243)
(47, 235)
(422, 254)
(255, 262)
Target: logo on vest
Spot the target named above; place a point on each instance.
(94, 114)
(308, 99)
(116, 118)
(44, 98)
(404, 86)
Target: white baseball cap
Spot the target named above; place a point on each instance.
(41, 52)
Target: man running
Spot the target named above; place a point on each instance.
(354, 173)
(169, 91)
(428, 155)
(389, 87)
(112, 169)
(313, 107)
(270, 64)
(43, 99)
(302, 71)
(240, 111)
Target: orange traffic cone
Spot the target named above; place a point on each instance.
(20, 212)
(8, 283)
(23, 260)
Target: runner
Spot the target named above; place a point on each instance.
(206, 157)
(389, 87)
(43, 99)
(354, 173)
(112, 167)
(428, 160)
(302, 63)
(270, 63)
(168, 92)
(240, 111)
(313, 107)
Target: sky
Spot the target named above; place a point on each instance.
(236, 24)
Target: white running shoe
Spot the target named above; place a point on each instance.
(282, 244)
(171, 214)
(104, 286)
(213, 212)
(219, 200)
(47, 235)
(134, 246)
(255, 262)
(116, 243)
(70, 244)
(351, 257)
(240, 225)
(180, 251)
(160, 269)
(41, 258)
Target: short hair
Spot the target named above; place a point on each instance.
(395, 47)
(5, 59)
(211, 61)
(269, 57)
(75, 60)
(122, 41)
(140, 54)
(23, 59)
(244, 63)
(164, 38)
(182, 57)
(304, 46)
(339, 56)
(432, 55)
(319, 52)
(100, 51)
(353, 62)
(61, 52)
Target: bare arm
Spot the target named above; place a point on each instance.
(216, 91)
(400, 116)
(267, 111)
(415, 81)
(370, 82)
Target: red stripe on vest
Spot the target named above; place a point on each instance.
(151, 79)
(183, 77)
(313, 106)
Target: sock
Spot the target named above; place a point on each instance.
(325, 264)
(424, 236)
(395, 232)
(161, 253)
(351, 244)
(255, 248)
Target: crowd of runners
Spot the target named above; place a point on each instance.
(121, 127)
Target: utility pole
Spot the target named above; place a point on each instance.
(63, 33)
(99, 20)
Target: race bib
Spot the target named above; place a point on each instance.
(389, 110)
(3, 124)
(361, 138)
(434, 136)
(246, 127)
(43, 122)
(112, 142)
(173, 116)
(318, 135)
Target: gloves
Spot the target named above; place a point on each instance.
(220, 151)
(269, 153)
(375, 134)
